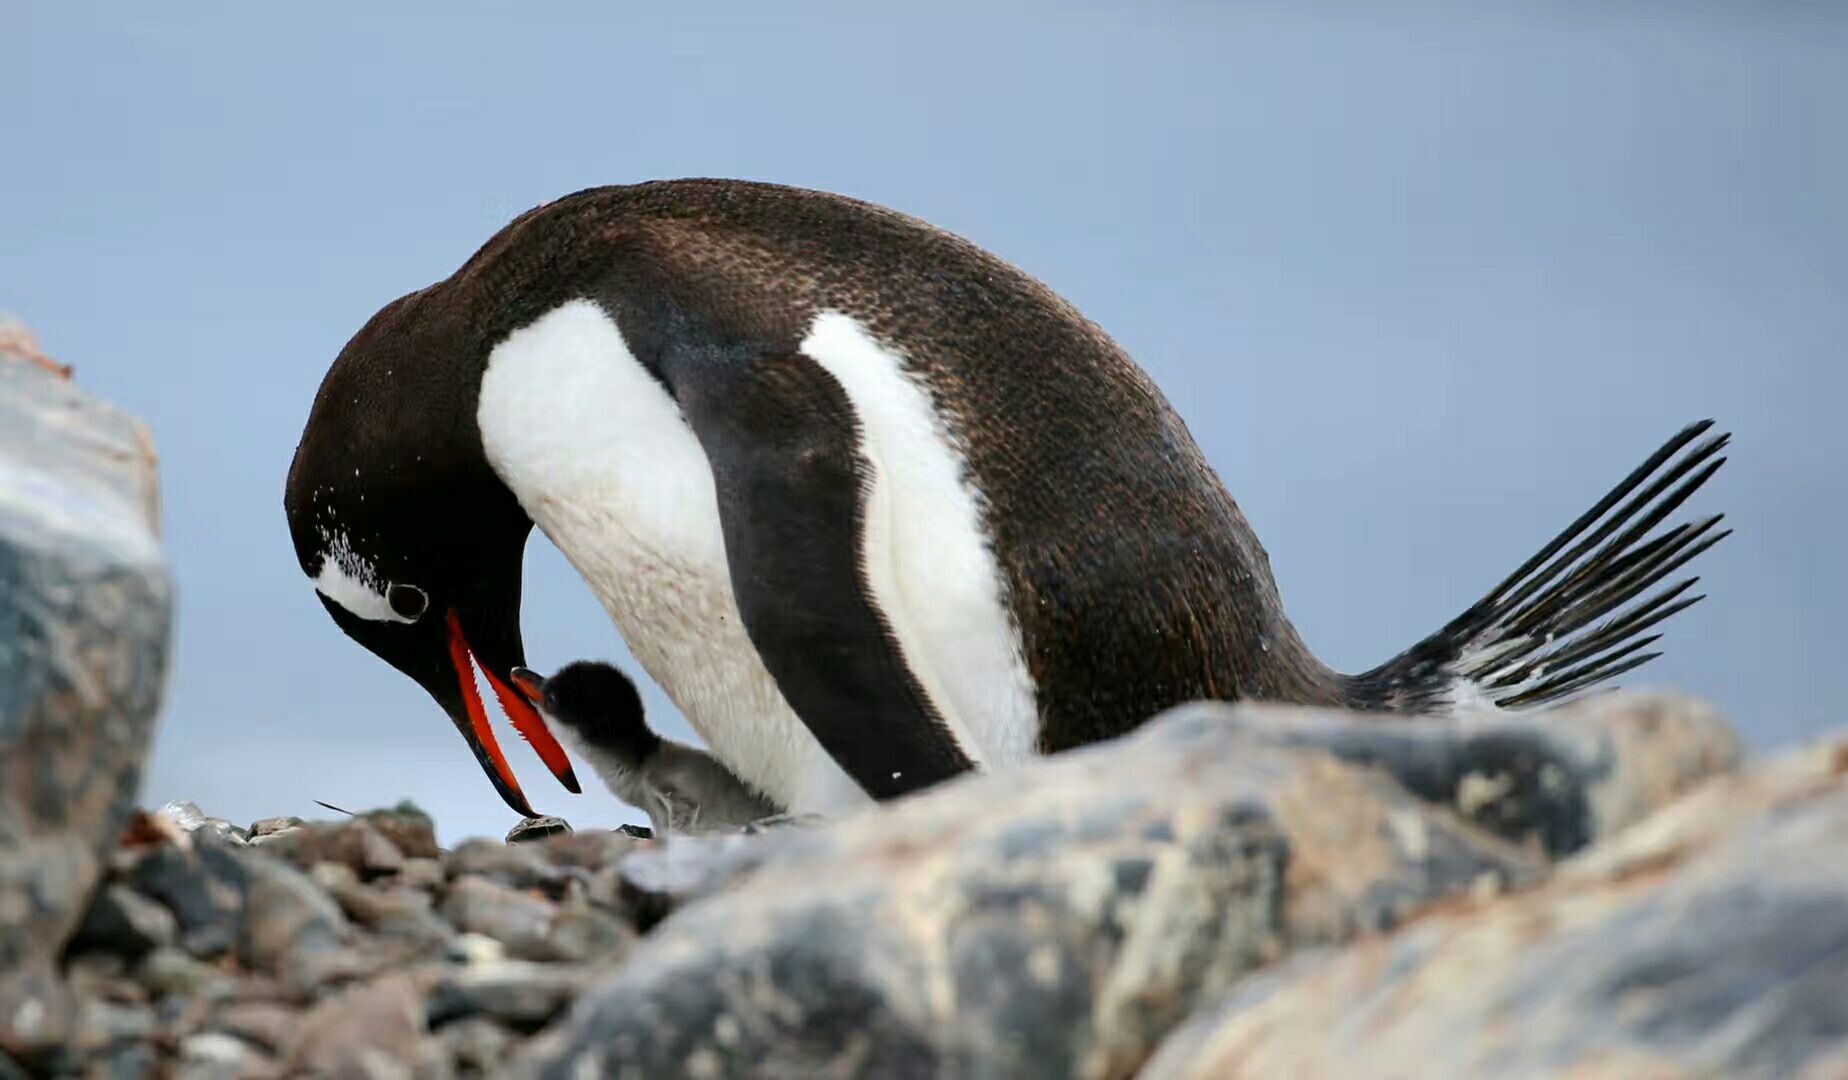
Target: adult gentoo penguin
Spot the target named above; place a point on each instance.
(871, 505)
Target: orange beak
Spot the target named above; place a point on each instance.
(520, 712)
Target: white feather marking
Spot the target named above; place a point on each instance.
(350, 581)
(927, 554)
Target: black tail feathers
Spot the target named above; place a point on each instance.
(1532, 639)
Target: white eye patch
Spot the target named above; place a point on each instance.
(351, 582)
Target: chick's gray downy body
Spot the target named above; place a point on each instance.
(681, 788)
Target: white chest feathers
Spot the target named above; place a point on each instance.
(600, 457)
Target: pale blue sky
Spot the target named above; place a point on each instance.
(1423, 286)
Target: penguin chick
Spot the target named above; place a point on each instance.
(681, 788)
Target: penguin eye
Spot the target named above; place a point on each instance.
(408, 601)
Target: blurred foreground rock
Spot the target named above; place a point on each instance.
(84, 618)
(1712, 940)
(1061, 920)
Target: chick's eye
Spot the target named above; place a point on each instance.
(408, 601)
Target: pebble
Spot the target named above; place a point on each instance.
(519, 993)
(350, 947)
(537, 828)
(521, 866)
(124, 922)
(518, 920)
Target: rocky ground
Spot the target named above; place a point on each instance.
(1605, 889)
(1229, 892)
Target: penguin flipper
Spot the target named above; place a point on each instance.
(783, 442)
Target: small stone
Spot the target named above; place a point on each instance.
(184, 813)
(400, 913)
(590, 850)
(374, 1030)
(333, 876)
(408, 828)
(169, 970)
(203, 888)
(377, 855)
(354, 843)
(476, 1044)
(129, 1060)
(126, 923)
(101, 1024)
(582, 932)
(271, 825)
(214, 1054)
(420, 873)
(520, 921)
(279, 840)
(187, 817)
(537, 828)
(268, 1025)
(286, 917)
(472, 948)
(523, 995)
(103, 976)
(521, 866)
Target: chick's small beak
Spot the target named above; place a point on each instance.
(528, 682)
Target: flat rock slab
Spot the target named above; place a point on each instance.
(1709, 940)
(85, 610)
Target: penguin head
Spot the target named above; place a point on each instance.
(597, 703)
(414, 546)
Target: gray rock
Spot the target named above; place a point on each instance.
(356, 843)
(83, 654)
(476, 1046)
(123, 922)
(215, 1055)
(426, 874)
(1711, 939)
(374, 1031)
(537, 828)
(521, 866)
(1053, 921)
(187, 817)
(203, 885)
(265, 1024)
(271, 825)
(517, 993)
(103, 975)
(520, 921)
(590, 849)
(581, 931)
(676, 870)
(169, 970)
(392, 912)
(290, 927)
(1563, 778)
(408, 828)
(102, 1024)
